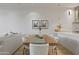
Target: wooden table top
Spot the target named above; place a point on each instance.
(48, 39)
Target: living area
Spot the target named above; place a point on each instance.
(39, 28)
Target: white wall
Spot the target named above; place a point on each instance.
(19, 18)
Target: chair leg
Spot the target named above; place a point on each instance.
(54, 50)
(23, 50)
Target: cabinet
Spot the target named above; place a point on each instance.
(75, 27)
(76, 14)
(75, 23)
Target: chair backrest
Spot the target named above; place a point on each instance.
(39, 49)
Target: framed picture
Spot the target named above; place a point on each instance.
(44, 24)
(35, 24)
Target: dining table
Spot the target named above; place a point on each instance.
(40, 40)
(36, 39)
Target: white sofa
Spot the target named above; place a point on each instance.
(8, 44)
(70, 41)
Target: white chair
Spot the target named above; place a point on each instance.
(39, 49)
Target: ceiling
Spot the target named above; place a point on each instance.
(57, 4)
(25, 5)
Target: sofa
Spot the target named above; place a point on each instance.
(69, 41)
(9, 43)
